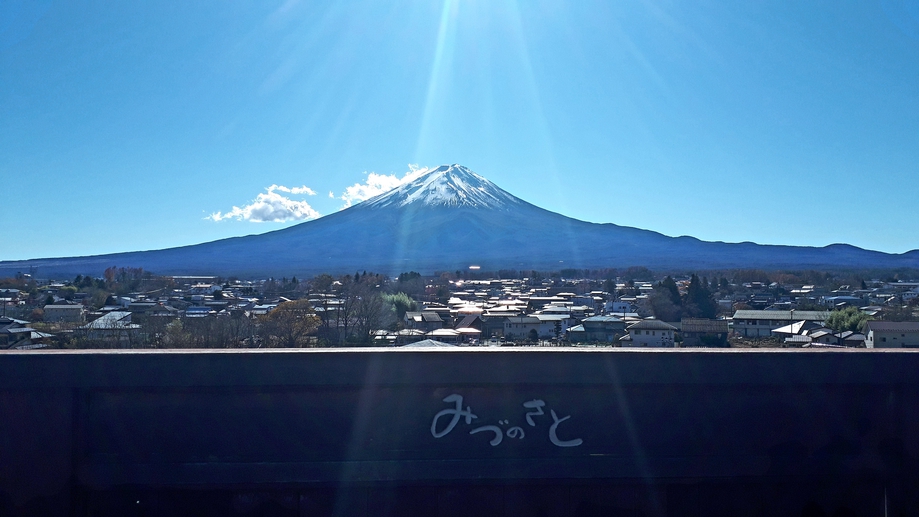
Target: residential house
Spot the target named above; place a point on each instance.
(552, 326)
(618, 307)
(704, 332)
(853, 339)
(473, 321)
(911, 295)
(810, 334)
(409, 335)
(204, 289)
(649, 333)
(441, 310)
(798, 328)
(520, 327)
(63, 313)
(14, 333)
(9, 296)
(197, 311)
(604, 329)
(841, 301)
(470, 327)
(424, 320)
(445, 335)
(113, 326)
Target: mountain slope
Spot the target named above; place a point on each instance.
(450, 218)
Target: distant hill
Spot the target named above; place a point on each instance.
(448, 219)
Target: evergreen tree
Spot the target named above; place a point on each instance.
(671, 288)
(699, 301)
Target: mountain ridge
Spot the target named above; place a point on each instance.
(449, 218)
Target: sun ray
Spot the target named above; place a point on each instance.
(551, 170)
(443, 59)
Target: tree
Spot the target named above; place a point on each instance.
(176, 336)
(751, 275)
(670, 287)
(347, 307)
(369, 310)
(639, 273)
(899, 313)
(290, 324)
(236, 329)
(699, 302)
(411, 284)
(849, 319)
(400, 303)
(322, 283)
(662, 306)
(609, 285)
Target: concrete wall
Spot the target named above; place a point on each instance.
(459, 431)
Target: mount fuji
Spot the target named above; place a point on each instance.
(450, 218)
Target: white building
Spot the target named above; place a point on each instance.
(892, 334)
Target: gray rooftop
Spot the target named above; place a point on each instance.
(652, 325)
(781, 315)
(893, 326)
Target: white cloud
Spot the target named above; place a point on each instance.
(270, 206)
(292, 190)
(377, 184)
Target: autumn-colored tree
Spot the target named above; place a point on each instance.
(289, 325)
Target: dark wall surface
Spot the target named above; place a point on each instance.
(459, 431)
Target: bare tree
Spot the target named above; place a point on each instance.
(368, 311)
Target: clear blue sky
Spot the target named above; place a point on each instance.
(140, 125)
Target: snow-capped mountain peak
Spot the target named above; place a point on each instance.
(447, 185)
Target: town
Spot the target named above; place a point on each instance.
(634, 307)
